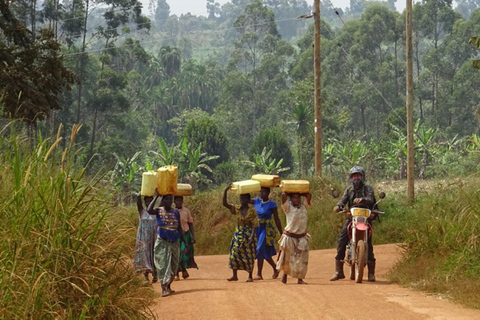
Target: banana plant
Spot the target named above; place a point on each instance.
(124, 172)
(193, 163)
(426, 146)
(264, 164)
(474, 143)
(166, 155)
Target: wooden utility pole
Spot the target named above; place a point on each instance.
(318, 92)
(410, 141)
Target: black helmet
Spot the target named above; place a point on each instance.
(357, 169)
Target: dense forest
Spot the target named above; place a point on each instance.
(231, 93)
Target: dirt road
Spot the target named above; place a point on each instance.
(207, 295)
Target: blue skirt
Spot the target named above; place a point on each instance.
(266, 248)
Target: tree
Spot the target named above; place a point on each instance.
(170, 59)
(109, 97)
(213, 9)
(33, 73)
(257, 28)
(273, 141)
(162, 12)
(206, 132)
(302, 116)
(466, 7)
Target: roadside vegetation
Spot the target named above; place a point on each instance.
(65, 250)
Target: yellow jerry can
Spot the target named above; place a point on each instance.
(184, 190)
(295, 186)
(267, 180)
(246, 186)
(167, 180)
(149, 183)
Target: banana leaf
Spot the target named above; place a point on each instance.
(475, 41)
(476, 64)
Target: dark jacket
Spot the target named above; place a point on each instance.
(366, 193)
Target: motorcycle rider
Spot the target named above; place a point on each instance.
(362, 196)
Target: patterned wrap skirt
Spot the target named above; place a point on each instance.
(242, 254)
(266, 239)
(187, 260)
(167, 255)
(146, 236)
(293, 257)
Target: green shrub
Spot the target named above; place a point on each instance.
(274, 140)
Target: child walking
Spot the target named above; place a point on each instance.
(244, 244)
(146, 236)
(187, 260)
(294, 248)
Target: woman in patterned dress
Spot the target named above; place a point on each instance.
(244, 244)
(146, 236)
(294, 248)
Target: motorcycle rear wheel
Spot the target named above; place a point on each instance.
(360, 261)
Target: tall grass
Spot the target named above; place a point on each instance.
(442, 242)
(63, 249)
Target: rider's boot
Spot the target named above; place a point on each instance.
(338, 271)
(371, 271)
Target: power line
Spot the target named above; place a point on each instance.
(172, 38)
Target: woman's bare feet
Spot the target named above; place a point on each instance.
(284, 279)
(233, 278)
(249, 279)
(300, 281)
(185, 274)
(258, 277)
(275, 274)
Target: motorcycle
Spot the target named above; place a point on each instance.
(359, 231)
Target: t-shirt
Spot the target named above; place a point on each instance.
(168, 222)
(185, 218)
(297, 217)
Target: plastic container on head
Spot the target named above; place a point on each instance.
(295, 186)
(149, 183)
(267, 180)
(167, 180)
(184, 190)
(246, 186)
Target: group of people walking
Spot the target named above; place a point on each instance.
(253, 239)
(165, 240)
(254, 236)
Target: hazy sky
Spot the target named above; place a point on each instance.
(199, 7)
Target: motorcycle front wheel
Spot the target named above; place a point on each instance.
(360, 261)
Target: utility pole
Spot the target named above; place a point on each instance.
(318, 91)
(410, 141)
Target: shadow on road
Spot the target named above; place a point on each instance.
(196, 290)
